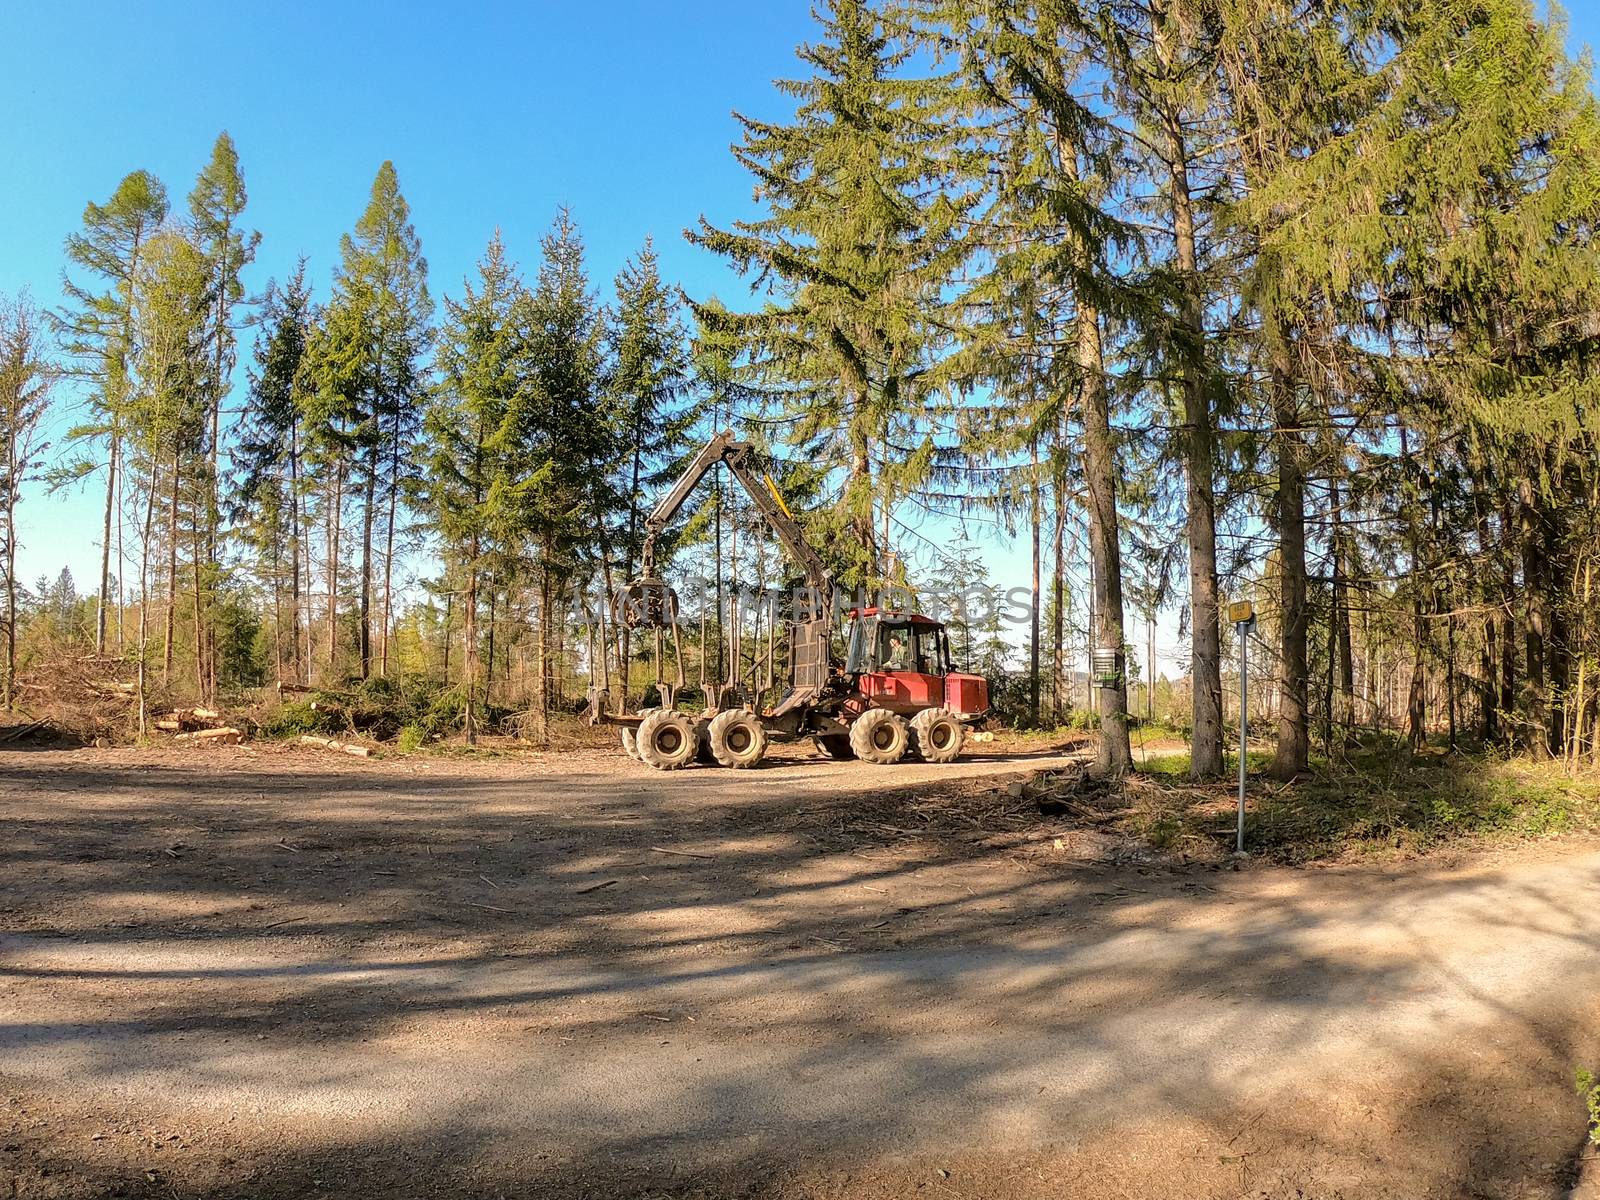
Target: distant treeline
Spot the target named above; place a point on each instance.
(1289, 299)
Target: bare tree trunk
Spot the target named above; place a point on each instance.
(1346, 716)
(470, 630)
(335, 520)
(1559, 643)
(1205, 672)
(1417, 696)
(488, 671)
(1293, 751)
(1113, 755)
(172, 572)
(113, 466)
(1035, 508)
(388, 552)
(11, 567)
(1533, 586)
(299, 663)
(541, 704)
(449, 618)
(213, 507)
(144, 595)
(122, 560)
(199, 613)
(1058, 624)
(1450, 674)
(369, 494)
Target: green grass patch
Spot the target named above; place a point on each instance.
(1377, 800)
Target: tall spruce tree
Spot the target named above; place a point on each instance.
(860, 236)
(381, 289)
(1161, 55)
(565, 447)
(1044, 290)
(646, 390)
(269, 454)
(216, 209)
(470, 487)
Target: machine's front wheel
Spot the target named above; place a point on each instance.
(939, 734)
(667, 740)
(880, 736)
(738, 738)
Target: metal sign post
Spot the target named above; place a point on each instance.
(1243, 616)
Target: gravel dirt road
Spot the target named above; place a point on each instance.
(257, 972)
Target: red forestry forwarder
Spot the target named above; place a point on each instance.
(895, 693)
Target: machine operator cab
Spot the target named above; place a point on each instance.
(901, 661)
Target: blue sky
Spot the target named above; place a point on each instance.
(494, 113)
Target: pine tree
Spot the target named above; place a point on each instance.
(96, 333)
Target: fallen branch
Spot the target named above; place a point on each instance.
(595, 887)
(22, 731)
(683, 853)
(307, 739)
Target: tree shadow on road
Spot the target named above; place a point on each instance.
(492, 981)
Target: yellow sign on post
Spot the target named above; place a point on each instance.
(1241, 611)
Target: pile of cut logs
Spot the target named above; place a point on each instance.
(203, 725)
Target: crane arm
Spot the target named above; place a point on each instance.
(723, 448)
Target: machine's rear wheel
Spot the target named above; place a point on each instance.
(939, 734)
(667, 740)
(834, 745)
(738, 738)
(880, 736)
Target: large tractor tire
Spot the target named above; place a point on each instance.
(738, 738)
(667, 740)
(939, 734)
(835, 745)
(630, 736)
(880, 736)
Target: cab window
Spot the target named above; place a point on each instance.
(911, 648)
(896, 648)
(862, 633)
